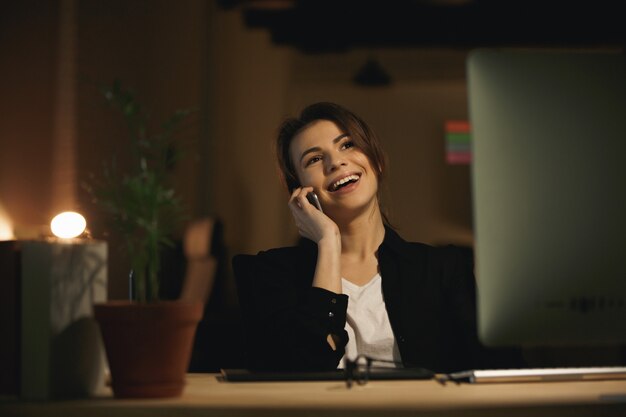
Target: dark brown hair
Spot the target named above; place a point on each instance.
(351, 124)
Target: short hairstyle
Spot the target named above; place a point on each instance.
(351, 124)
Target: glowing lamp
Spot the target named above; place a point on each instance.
(6, 232)
(68, 224)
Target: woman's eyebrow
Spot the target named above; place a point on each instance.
(338, 138)
(317, 148)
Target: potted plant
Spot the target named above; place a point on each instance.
(148, 341)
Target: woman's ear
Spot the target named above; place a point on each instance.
(293, 184)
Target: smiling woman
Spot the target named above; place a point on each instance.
(353, 286)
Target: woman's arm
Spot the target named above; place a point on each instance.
(287, 321)
(291, 298)
(316, 226)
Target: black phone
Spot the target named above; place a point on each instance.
(312, 197)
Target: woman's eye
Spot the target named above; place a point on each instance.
(347, 144)
(313, 160)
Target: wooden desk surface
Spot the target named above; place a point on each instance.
(205, 395)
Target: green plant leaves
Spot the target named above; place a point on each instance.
(139, 202)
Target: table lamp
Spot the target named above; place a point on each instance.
(50, 284)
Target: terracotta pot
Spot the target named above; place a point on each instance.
(148, 345)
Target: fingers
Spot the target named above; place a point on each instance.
(298, 198)
(311, 223)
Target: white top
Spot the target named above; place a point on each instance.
(367, 323)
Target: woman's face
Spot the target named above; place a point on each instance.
(342, 176)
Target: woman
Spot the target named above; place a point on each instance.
(353, 285)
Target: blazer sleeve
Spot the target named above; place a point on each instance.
(286, 320)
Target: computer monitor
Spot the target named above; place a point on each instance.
(549, 196)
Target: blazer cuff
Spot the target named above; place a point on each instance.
(328, 307)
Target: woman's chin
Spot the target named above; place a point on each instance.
(348, 210)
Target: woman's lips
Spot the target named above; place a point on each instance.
(343, 182)
(347, 188)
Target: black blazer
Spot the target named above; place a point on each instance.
(429, 294)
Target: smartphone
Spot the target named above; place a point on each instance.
(312, 197)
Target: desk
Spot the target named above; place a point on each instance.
(206, 396)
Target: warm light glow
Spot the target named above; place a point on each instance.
(6, 231)
(68, 224)
(6, 228)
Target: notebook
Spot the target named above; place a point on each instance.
(245, 375)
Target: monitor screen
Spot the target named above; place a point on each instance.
(549, 196)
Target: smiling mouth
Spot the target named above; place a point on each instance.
(343, 182)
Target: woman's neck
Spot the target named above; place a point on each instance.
(361, 236)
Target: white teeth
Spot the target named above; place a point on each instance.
(343, 181)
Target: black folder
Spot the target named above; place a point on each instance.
(245, 375)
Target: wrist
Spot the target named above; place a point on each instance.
(328, 268)
(330, 243)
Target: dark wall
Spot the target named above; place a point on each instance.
(28, 69)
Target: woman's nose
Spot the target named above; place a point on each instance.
(334, 161)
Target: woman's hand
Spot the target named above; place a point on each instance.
(315, 225)
(311, 223)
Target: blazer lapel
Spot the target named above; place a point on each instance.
(403, 270)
